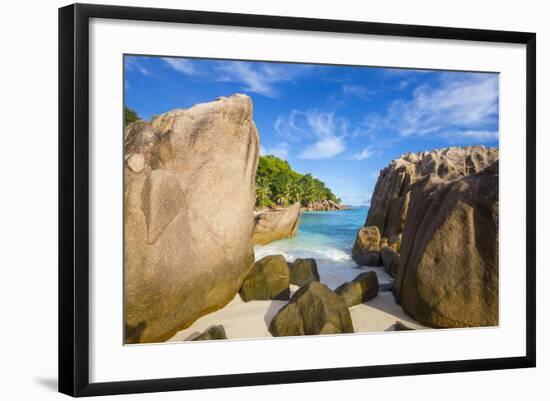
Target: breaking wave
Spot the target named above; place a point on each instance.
(326, 237)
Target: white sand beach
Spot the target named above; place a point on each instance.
(251, 319)
(327, 237)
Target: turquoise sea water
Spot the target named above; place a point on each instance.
(328, 238)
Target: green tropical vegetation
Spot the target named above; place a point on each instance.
(278, 184)
(130, 116)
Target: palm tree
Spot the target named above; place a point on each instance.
(296, 192)
(282, 199)
(263, 192)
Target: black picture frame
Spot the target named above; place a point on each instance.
(74, 198)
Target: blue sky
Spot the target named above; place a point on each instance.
(342, 124)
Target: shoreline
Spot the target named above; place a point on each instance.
(306, 209)
(248, 320)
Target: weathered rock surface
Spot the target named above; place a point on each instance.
(444, 205)
(324, 205)
(391, 196)
(366, 249)
(302, 271)
(216, 332)
(361, 289)
(276, 224)
(269, 279)
(390, 260)
(448, 274)
(186, 256)
(314, 309)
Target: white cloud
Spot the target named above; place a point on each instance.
(326, 129)
(132, 64)
(181, 65)
(280, 150)
(260, 78)
(476, 135)
(255, 77)
(404, 84)
(361, 92)
(324, 149)
(310, 124)
(252, 78)
(364, 154)
(467, 106)
(405, 71)
(293, 127)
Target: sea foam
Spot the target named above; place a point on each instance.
(326, 237)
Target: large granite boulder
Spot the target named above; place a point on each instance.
(448, 275)
(302, 271)
(366, 249)
(439, 210)
(278, 224)
(390, 260)
(215, 332)
(392, 192)
(186, 254)
(361, 289)
(324, 205)
(314, 309)
(269, 279)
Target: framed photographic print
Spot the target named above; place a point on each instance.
(278, 199)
